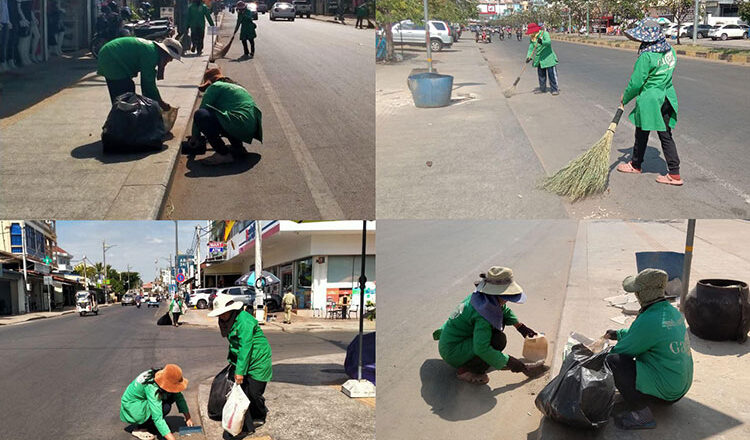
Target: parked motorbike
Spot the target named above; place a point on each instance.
(155, 30)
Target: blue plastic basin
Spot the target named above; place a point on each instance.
(431, 89)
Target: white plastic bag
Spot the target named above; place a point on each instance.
(233, 415)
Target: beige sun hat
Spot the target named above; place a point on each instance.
(499, 281)
(648, 285)
(172, 47)
(225, 303)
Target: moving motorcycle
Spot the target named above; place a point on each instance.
(483, 35)
(86, 303)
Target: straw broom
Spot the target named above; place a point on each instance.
(222, 52)
(588, 173)
(512, 89)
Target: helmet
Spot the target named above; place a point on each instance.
(172, 47)
(240, 5)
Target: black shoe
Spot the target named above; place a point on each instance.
(258, 423)
(252, 55)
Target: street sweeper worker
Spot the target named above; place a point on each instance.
(473, 338)
(226, 110)
(655, 99)
(124, 58)
(247, 28)
(651, 362)
(197, 15)
(149, 398)
(544, 58)
(249, 356)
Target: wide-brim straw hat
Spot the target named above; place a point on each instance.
(170, 379)
(211, 76)
(225, 303)
(498, 281)
(647, 31)
(172, 47)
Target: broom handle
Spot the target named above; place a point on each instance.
(533, 51)
(616, 119)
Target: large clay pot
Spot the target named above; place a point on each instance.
(718, 310)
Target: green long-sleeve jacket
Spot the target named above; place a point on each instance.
(245, 19)
(660, 344)
(197, 15)
(544, 57)
(235, 109)
(467, 334)
(650, 84)
(249, 350)
(126, 57)
(141, 402)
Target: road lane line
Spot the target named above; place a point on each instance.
(321, 193)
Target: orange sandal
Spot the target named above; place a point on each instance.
(669, 180)
(627, 167)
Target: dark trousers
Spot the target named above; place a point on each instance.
(196, 37)
(208, 124)
(254, 390)
(176, 317)
(166, 406)
(117, 87)
(550, 72)
(252, 46)
(623, 370)
(11, 48)
(667, 143)
(479, 366)
(4, 32)
(359, 23)
(343, 311)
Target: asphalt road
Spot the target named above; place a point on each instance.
(425, 269)
(314, 82)
(712, 131)
(62, 378)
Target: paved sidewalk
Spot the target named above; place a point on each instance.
(299, 323)
(20, 319)
(305, 402)
(717, 405)
(52, 163)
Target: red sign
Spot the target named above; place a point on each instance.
(216, 244)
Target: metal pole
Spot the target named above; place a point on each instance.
(362, 282)
(104, 270)
(128, 277)
(695, 23)
(198, 256)
(258, 272)
(588, 25)
(25, 274)
(688, 260)
(427, 36)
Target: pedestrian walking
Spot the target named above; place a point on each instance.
(197, 15)
(655, 100)
(361, 11)
(289, 301)
(124, 58)
(545, 59)
(473, 338)
(247, 29)
(226, 110)
(175, 309)
(651, 362)
(344, 304)
(149, 398)
(249, 356)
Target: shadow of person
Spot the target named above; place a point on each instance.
(454, 400)
(718, 348)
(198, 169)
(93, 150)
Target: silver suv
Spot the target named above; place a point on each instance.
(408, 33)
(240, 293)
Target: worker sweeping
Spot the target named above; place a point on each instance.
(226, 110)
(197, 15)
(651, 362)
(473, 338)
(655, 99)
(124, 58)
(149, 398)
(544, 58)
(247, 26)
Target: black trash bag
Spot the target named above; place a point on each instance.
(133, 125)
(351, 364)
(165, 320)
(220, 388)
(582, 394)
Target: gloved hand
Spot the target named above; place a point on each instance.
(525, 331)
(528, 60)
(515, 365)
(611, 334)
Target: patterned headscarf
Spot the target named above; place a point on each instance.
(649, 34)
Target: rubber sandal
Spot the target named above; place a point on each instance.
(465, 376)
(669, 180)
(627, 167)
(481, 379)
(143, 435)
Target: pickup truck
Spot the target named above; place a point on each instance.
(303, 7)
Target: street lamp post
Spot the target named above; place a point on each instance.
(105, 248)
(25, 274)
(427, 36)
(695, 22)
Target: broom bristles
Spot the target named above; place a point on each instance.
(585, 175)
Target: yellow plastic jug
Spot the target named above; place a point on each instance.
(535, 348)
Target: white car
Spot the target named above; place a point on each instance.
(282, 10)
(671, 31)
(726, 31)
(408, 33)
(200, 298)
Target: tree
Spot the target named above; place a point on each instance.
(680, 9)
(744, 9)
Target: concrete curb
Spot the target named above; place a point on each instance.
(626, 45)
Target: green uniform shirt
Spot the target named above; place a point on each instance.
(197, 15)
(362, 10)
(650, 84)
(660, 344)
(544, 57)
(249, 351)
(125, 57)
(245, 19)
(467, 334)
(235, 109)
(141, 401)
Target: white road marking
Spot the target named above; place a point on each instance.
(321, 193)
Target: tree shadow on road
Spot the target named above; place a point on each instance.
(198, 169)
(454, 400)
(718, 348)
(93, 150)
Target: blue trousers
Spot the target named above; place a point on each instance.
(550, 72)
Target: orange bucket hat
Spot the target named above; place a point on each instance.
(211, 76)
(170, 379)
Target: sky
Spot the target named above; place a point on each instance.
(137, 243)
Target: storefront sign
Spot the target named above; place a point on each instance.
(41, 268)
(712, 4)
(216, 247)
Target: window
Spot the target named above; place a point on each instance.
(304, 273)
(439, 25)
(347, 268)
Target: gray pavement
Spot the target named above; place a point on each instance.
(313, 81)
(425, 269)
(63, 378)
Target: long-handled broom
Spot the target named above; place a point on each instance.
(222, 52)
(512, 89)
(587, 174)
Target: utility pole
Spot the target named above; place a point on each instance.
(427, 36)
(258, 273)
(105, 248)
(588, 25)
(25, 274)
(128, 277)
(695, 23)
(688, 261)
(85, 278)
(198, 256)
(176, 253)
